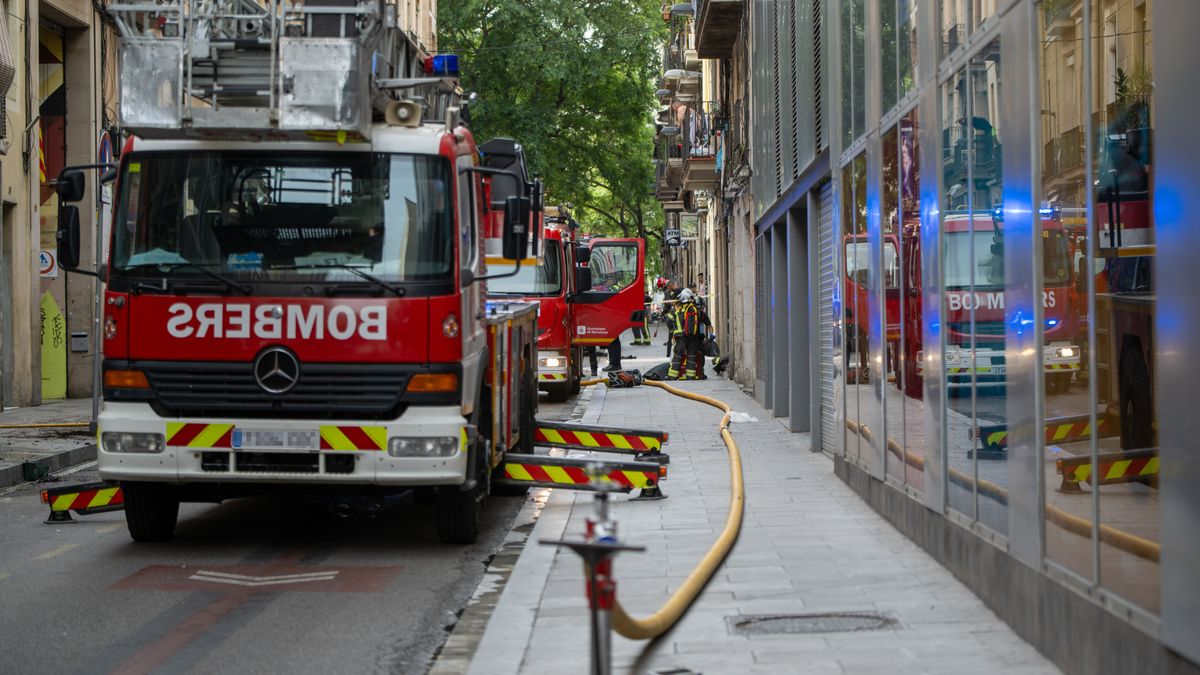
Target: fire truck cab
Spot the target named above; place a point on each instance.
(587, 294)
(974, 297)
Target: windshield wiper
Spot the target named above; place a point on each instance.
(230, 284)
(398, 290)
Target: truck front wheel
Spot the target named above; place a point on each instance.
(151, 511)
(459, 513)
(558, 391)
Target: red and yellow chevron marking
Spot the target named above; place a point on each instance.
(1066, 432)
(353, 438)
(1116, 470)
(576, 475)
(190, 435)
(596, 439)
(86, 499)
(552, 377)
(1060, 366)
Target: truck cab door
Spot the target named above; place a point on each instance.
(606, 309)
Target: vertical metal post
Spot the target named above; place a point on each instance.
(598, 548)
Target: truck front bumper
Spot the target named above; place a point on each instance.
(345, 452)
(552, 367)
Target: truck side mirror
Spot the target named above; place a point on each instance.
(69, 185)
(583, 255)
(583, 280)
(516, 227)
(68, 235)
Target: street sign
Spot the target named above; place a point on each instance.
(48, 264)
(672, 236)
(104, 155)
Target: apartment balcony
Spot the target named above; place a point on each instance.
(717, 27)
(700, 138)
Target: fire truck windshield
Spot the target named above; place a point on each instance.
(299, 217)
(989, 260)
(545, 278)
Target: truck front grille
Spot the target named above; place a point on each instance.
(216, 461)
(324, 390)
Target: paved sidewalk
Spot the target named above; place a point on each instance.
(808, 545)
(53, 447)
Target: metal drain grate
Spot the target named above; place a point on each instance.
(825, 622)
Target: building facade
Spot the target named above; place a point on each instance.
(59, 68)
(54, 115)
(995, 350)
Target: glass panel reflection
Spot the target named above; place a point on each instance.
(1063, 228)
(890, 217)
(850, 340)
(986, 303)
(909, 382)
(856, 263)
(1121, 113)
(956, 223)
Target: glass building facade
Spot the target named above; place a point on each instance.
(1010, 272)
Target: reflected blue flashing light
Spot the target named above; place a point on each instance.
(443, 65)
(1051, 323)
(1046, 213)
(998, 214)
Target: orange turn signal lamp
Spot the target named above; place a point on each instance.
(433, 383)
(125, 379)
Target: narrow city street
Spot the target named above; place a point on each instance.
(251, 585)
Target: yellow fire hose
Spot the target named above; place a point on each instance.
(659, 622)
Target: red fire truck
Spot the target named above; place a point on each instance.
(296, 289)
(856, 263)
(587, 294)
(977, 237)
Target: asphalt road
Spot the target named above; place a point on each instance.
(248, 586)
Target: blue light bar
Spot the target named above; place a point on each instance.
(442, 65)
(1046, 213)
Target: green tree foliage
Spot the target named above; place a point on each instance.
(572, 81)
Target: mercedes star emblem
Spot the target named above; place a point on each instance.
(277, 370)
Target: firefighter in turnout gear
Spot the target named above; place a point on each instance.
(690, 325)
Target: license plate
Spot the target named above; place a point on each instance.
(275, 439)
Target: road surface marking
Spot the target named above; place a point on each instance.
(250, 580)
(57, 552)
(4, 575)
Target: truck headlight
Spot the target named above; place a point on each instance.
(121, 441)
(434, 446)
(1066, 352)
(550, 362)
(951, 356)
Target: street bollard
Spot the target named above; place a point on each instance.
(598, 548)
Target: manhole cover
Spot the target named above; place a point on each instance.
(826, 622)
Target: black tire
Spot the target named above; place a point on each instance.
(151, 511)
(575, 372)
(459, 514)
(558, 392)
(1137, 409)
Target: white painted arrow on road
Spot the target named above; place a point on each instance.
(250, 580)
